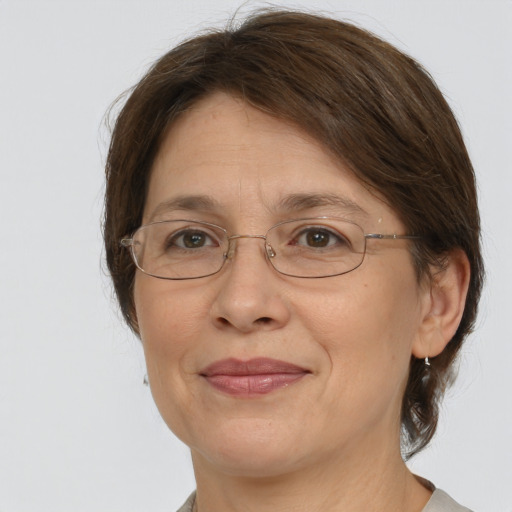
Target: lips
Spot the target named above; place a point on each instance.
(254, 377)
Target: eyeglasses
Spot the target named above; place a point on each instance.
(309, 248)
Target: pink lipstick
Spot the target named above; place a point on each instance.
(253, 377)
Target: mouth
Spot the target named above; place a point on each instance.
(254, 377)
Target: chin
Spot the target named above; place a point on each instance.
(257, 449)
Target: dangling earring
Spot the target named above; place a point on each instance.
(146, 380)
(427, 362)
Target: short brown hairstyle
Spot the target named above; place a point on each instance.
(373, 107)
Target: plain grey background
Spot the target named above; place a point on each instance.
(78, 430)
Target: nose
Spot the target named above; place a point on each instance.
(251, 294)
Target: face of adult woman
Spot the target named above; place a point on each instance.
(260, 373)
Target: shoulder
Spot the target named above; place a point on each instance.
(189, 504)
(441, 502)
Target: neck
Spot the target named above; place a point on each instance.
(347, 484)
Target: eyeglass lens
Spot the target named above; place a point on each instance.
(182, 249)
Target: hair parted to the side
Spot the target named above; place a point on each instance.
(373, 107)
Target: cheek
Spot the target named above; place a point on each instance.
(170, 321)
(365, 330)
(164, 311)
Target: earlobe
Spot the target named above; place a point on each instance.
(444, 303)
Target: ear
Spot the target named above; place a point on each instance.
(444, 298)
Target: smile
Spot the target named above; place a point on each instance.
(258, 376)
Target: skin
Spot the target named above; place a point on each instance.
(331, 440)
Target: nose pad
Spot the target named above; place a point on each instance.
(230, 253)
(269, 250)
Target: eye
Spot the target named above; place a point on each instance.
(191, 239)
(319, 238)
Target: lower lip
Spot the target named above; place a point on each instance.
(253, 385)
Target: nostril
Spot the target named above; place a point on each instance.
(264, 320)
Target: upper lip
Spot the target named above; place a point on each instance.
(255, 366)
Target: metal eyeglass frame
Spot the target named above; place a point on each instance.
(129, 243)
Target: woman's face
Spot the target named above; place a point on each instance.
(346, 341)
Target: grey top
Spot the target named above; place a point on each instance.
(439, 502)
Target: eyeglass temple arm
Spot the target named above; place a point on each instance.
(392, 237)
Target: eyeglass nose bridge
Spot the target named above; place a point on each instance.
(231, 248)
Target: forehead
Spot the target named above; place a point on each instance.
(235, 159)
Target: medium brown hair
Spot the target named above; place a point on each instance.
(373, 107)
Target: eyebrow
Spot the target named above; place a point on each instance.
(290, 203)
(298, 202)
(188, 203)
